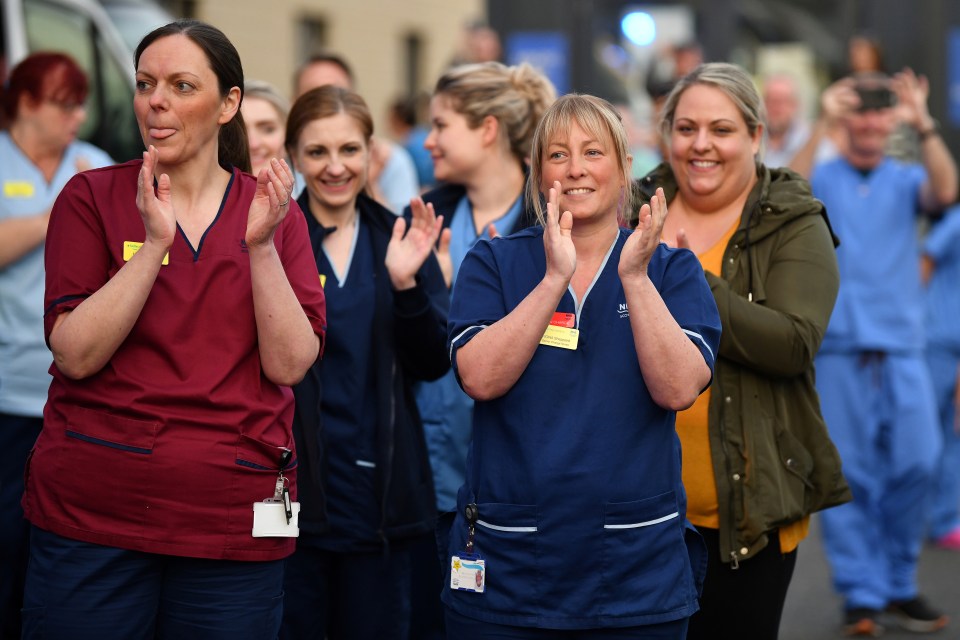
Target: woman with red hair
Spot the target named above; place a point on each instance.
(44, 107)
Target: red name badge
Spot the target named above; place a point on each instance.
(563, 320)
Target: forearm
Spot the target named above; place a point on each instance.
(84, 340)
(672, 366)
(941, 169)
(804, 160)
(20, 236)
(491, 363)
(287, 342)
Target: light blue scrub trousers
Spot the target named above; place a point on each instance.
(945, 508)
(881, 413)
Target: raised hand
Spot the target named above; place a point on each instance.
(644, 240)
(838, 100)
(270, 204)
(409, 248)
(156, 209)
(912, 93)
(558, 238)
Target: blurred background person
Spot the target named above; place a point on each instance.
(940, 272)
(875, 388)
(408, 129)
(264, 112)
(480, 43)
(43, 103)
(786, 128)
(181, 304)
(864, 54)
(757, 458)
(392, 179)
(365, 475)
(482, 121)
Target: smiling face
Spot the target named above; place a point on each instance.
(590, 177)
(712, 151)
(264, 131)
(456, 148)
(177, 103)
(333, 155)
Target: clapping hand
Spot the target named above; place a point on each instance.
(558, 238)
(645, 238)
(270, 204)
(156, 208)
(409, 248)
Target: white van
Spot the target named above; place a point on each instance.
(101, 36)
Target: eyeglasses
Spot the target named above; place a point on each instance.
(68, 106)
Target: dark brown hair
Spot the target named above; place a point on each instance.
(225, 61)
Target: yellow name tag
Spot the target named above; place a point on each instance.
(130, 249)
(561, 337)
(18, 189)
(323, 280)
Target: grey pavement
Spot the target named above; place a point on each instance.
(813, 609)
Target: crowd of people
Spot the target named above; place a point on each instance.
(281, 377)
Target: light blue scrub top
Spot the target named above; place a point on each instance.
(880, 302)
(24, 356)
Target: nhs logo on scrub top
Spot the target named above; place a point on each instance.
(623, 311)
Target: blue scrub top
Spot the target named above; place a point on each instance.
(575, 470)
(349, 416)
(24, 356)
(880, 304)
(942, 244)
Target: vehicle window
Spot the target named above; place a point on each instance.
(110, 123)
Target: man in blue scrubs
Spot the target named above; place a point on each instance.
(874, 386)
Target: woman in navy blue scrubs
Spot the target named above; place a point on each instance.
(579, 340)
(365, 483)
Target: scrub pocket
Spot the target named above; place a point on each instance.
(646, 562)
(113, 455)
(506, 537)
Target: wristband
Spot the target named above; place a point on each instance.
(932, 131)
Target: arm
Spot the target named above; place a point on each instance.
(84, 340)
(781, 334)
(672, 366)
(421, 299)
(941, 188)
(496, 357)
(287, 342)
(836, 100)
(20, 236)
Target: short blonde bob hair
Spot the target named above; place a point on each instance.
(599, 119)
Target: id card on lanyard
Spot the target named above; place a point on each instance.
(468, 571)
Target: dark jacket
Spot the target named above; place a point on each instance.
(773, 459)
(445, 198)
(408, 344)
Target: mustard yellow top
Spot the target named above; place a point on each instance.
(697, 471)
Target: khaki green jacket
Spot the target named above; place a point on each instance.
(773, 459)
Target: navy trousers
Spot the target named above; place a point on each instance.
(81, 591)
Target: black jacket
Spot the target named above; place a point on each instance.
(445, 198)
(408, 345)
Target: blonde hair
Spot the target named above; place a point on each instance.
(734, 82)
(268, 92)
(599, 119)
(516, 96)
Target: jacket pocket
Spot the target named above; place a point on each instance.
(783, 486)
(646, 563)
(506, 537)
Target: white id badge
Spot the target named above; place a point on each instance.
(468, 572)
(270, 519)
